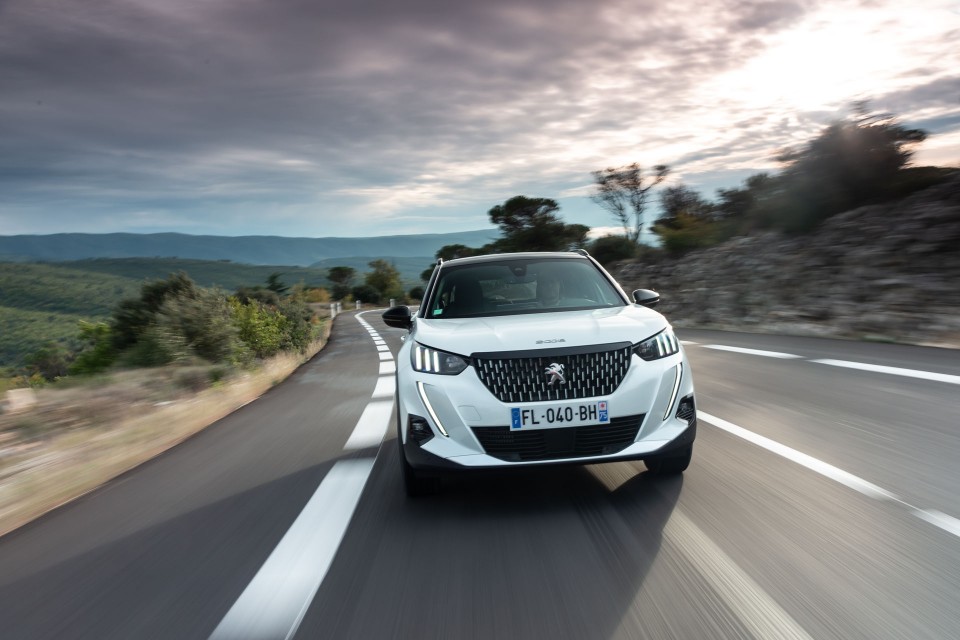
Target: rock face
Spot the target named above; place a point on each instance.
(883, 272)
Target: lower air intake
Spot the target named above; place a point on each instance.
(513, 445)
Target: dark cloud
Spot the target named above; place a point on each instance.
(202, 109)
(766, 16)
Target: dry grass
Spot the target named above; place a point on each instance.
(75, 439)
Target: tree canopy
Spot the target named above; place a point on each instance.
(622, 191)
(342, 279)
(532, 224)
(385, 278)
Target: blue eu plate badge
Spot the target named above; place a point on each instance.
(515, 422)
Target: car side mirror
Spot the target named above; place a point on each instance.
(398, 317)
(646, 297)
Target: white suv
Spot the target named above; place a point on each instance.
(528, 359)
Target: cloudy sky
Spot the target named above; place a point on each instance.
(374, 117)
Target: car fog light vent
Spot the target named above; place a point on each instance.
(686, 410)
(418, 430)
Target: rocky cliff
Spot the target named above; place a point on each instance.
(882, 272)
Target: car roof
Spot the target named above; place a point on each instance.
(527, 255)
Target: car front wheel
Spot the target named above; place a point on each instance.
(671, 463)
(415, 484)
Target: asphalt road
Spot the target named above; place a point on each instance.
(821, 503)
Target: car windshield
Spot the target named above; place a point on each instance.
(520, 286)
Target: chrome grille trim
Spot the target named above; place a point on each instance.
(515, 377)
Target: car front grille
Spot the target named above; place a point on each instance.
(588, 372)
(555, 444)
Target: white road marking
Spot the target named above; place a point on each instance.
(275, 601)
(385, 355)
(862, 366)
(386, 385)
(896, 371)
(688, 342)
(824, 469)
(372, 425)
(936, 518)
(752, 605)
(752, 352)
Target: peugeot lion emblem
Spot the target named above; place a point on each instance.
(555, 372)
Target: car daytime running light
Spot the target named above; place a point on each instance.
(659, 346)
(676, 388)
(427, 360)
(433, 414)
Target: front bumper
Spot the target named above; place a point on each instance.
(456, 407)
(422, 460)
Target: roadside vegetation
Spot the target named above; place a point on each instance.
(161, 366)
(45, 308)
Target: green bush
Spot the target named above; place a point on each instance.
(51, 361)
(260, 328)
(612, 248)
(156, 346)
(299, 328)
(98, 352)
(366, 294)
(204, 320)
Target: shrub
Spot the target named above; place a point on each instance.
(50, 361)
(612, 248)
(366, 294)
(98, 351)
(205, 323)
(260, 328)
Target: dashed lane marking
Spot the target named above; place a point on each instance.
(941, 520)
(896, 371)
(752, 352)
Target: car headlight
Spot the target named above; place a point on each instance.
(427, 360)
(659, 346)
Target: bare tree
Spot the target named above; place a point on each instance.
(623, 192)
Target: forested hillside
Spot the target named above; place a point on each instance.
(206, 273)
(45, 302)
(260, 250)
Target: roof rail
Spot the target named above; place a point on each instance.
(582, 252)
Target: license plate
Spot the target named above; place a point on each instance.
(560, 415)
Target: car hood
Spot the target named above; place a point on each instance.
(467, 336)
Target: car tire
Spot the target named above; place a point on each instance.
(670, 463)
(415, 484)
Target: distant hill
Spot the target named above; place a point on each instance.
(230, 275)
(258, 250)
(225, 274)
(42, 302)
